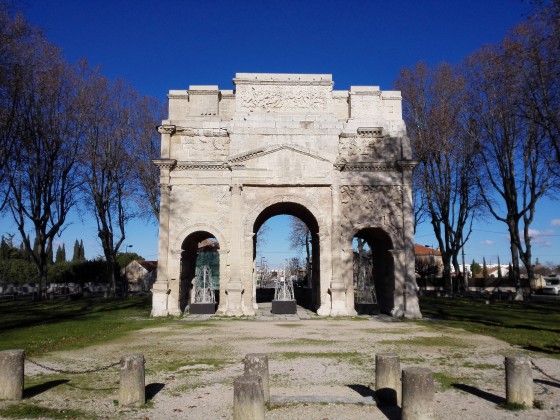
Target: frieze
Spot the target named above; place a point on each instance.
(281, 97)
(204, 166)
(202, 132)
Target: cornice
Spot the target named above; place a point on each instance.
(165, 163)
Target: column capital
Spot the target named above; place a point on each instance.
(166, 129)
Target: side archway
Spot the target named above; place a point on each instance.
(374, 270)
(199, 247)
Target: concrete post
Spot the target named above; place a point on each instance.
(417, 394)
(132, 392)
(11, 374)
(248, 398)
(388, 379)
(519, 380)
(257, 364)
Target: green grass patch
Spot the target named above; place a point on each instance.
(533, 326)
(351, 357)
(445, 381)
(513, 406)
(304, 342)
(42, 327)
(33, 411)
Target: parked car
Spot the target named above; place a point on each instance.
(552, 286)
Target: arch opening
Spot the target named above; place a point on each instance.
(200, 262)
(302, 264)
(373, 271)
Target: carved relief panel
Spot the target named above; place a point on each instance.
(377, 205)
(197, 144)
(282, 98)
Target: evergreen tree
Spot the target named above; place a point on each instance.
(60, 254)
(484, 268)
(499, 270)
(58, 258)
(76, 254)
(475, 268)
(82, 251)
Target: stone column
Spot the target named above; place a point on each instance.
(388, 379)
(325, 276)
(411, 306)
(160, 289)
(132, 390)
(235, 288)
(339, 282)
(519, 380)
(248, 398)
(257, 364)
(11, 374)
(400, 279)
(222, 306)
(417, 394)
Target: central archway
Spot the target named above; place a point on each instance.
(307, 297)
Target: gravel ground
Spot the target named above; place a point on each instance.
(191, 366)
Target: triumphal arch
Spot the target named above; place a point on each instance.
(286, 144)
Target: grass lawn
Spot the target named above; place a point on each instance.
(534, 326)
(40, 327)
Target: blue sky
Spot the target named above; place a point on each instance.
(171, 44)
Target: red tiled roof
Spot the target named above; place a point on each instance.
(424, 250)
(148, 265)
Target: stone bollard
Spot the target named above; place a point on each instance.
(11, 374)
(257, 364)
(132, 391)
(248, 398)
(519, 380)
(417, 394)
(388, 379)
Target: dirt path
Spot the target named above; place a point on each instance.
(191, 366)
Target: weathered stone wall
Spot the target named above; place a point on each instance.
(285, 143)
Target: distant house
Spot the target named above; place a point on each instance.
(429, 266)
(140, 275)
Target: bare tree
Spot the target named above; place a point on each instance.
(300, 238)
(511, 147)
(146, 113)
(426, 267)
(108, 161)
(433, 111)
(16, 42)
(42, 134)
(536, 43)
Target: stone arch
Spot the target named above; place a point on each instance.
(251, 216)
(312, 216)
(177, 241)
(381, 241)
(187, 249)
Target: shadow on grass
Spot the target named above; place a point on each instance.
(153, 389)
(493, 398)
(28, 314)
(35, 390)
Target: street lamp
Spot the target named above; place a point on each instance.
(126, 267)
